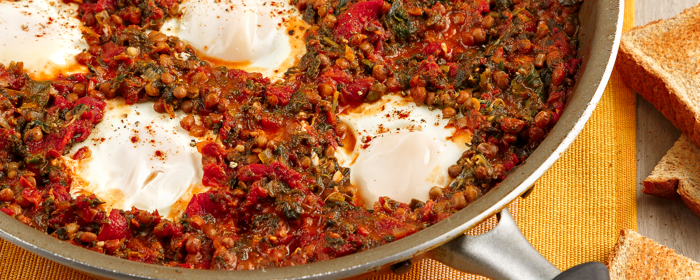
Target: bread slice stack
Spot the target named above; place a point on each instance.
(638, 257)
(661, 61)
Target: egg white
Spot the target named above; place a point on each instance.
(45, 35)
(139, 158)
(253, 34)
(402, 150)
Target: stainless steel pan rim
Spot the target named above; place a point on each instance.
(604, 30)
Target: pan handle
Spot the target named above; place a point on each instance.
(504, 253)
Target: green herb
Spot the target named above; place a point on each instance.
(42, 125)
(312, 69)
(297, 103)
(37, 92)
(368, 63)
(491, 48)
(322, 126)
(116, 82)
(341, 5)
(460, 78)
(503, 4)
(250, 84)
(533, 81)
(310, 15)
(95, 202)
(397, 19)
(62, 234)
(35, 159)
(79, 109)
(330, 42)
(518, 11)
(292, 211)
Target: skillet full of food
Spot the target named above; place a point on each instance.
(318, 130)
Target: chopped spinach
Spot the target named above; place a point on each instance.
(38, 92)
(397, 20)
(503, 4)
(341, 5)
(461, 78)
(533, 81)
(313, 68)
(309, 15)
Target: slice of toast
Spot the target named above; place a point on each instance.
(677, 175)
(661, 61)
(637, 257)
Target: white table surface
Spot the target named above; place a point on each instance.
(667, 222)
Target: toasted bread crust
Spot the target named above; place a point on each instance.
(645, 82)
(677, 175)
(637, 257)
(689, 196)
(660, 62)
(618, 256)
(663, 188)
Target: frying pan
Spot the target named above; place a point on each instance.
(502, 253)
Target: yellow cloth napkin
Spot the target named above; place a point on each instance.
(573, 216)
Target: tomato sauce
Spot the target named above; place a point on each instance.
(501, 70)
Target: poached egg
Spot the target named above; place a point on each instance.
(45, 35)
(145, 159)
(402, 150)
(257, 36)
(139, 158)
